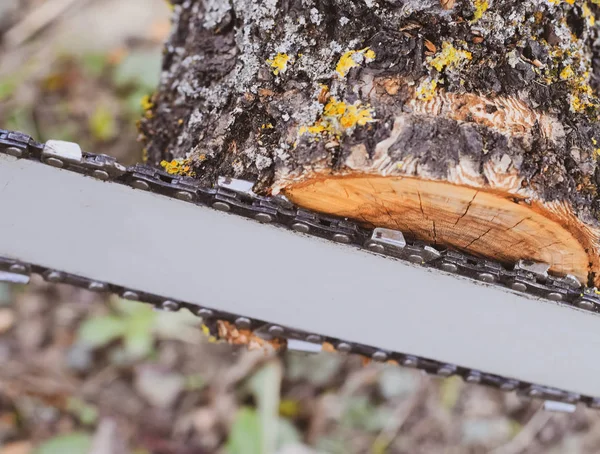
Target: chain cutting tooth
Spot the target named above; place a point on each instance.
(58, 153)
(14, 278)
(559, 407)
(303, 346)
(538, 269)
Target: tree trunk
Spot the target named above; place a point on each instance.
(471, 124)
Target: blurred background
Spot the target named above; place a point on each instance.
(82, 373)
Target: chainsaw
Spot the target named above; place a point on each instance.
(291, 277)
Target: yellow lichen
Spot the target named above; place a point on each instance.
(426, 90)
(450, 57)
(353, 58)
(588, 15)
(178, 167)
(206, 331)
(279, 63)
(339, 118)
(567, 73)
(481, 6)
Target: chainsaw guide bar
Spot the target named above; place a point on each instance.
(285, 273)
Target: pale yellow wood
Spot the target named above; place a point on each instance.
(482, 222)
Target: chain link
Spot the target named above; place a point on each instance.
(236, 197)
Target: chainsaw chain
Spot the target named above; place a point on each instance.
(236, 197)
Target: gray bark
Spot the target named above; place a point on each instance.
(511, 85)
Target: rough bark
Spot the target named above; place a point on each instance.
(472, 124)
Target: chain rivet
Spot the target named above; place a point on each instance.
(186, 196)
(519, 286)
(300, 227)
(341, 238)
(140, 184)
(54, 162)
(375, 247)
(14, 151)
(473, 377)
(243, 323)
(554, 296)
(379, 356)
(130, 295)
(415, 258)
(449, 267)
(314, 338)
(204, 313)
(221, 206)
(446, 371)
(585, 304)
(101, 175)
(263, 217)
(344, 347)
(18, 268)
(409, 361)
(53, 276)
(486, 277)
(169, 306)
(276, 330)
(97, 287)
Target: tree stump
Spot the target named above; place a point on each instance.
(469, 124)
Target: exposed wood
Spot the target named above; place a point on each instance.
(484, 223)
(469, 124)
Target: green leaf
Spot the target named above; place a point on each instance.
(73, 443)
(450, 390)
(7, 88)
(128, 307)
(265, 386)
(245, 433)
(99, 331)
(360, 413)
(139, 334)
(86, 413)
(94, 63)
(102, 124)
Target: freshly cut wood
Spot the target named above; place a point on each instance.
(471, 124)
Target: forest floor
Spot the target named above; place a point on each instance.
(83, 373)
